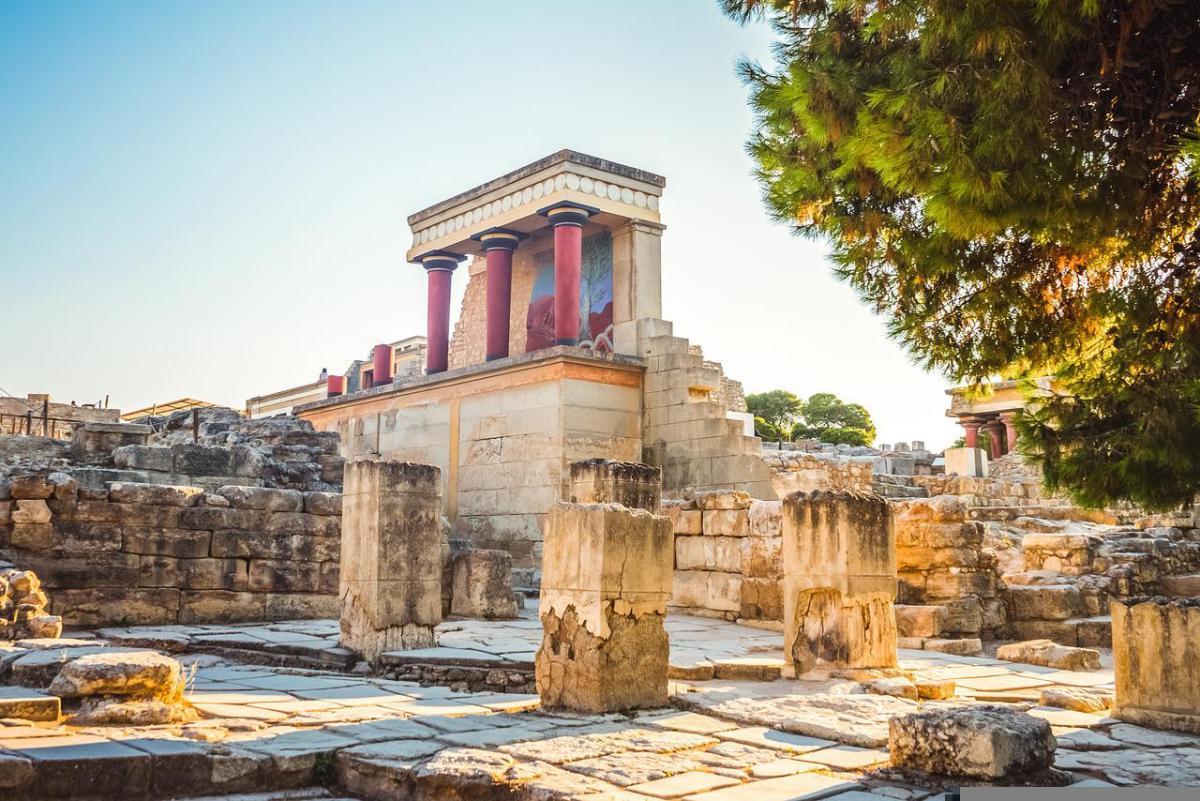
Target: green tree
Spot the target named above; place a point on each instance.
(825, 416)
(1016, 184)
(777, 408)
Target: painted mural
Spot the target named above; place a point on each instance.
(595, 298)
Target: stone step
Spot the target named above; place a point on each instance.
(27, 703)
(888, 478)
(1086, 632)
(1187, 586)
(899, 490)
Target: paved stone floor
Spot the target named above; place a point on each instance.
(274, 728)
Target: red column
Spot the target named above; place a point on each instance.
(498, 245)
(335, 385)
(995, 440)
(381, 365)
(568, 219)
(970, 431)
(1010, 430)
(439, 266)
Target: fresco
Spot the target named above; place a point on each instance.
(595, 298)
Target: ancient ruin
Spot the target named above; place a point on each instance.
(445, 572)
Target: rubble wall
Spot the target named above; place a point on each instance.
(798, 471)
(133, 554)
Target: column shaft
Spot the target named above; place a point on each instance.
(568, 259)
(499, 301)
(437, 356)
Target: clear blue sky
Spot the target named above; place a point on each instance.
(209, 198)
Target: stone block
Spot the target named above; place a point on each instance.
(689, 521)
(202, 460)
(222, 606)
(726, 523)
(966, 646)
(132, 674)
(1050, 654)
(192, 574)
(391, 568)
(762, 557)
(30, 512)
(1076, 699)
(482, 585)
(30, 486)
(323, 503)
(606, 582)
(966, 462)
(262, 498)
(32, 536)
(281, 575)
(144, 457)
(918, 621)
(1052, 602)
(839, 567)
(175, 542)
(117, 606)
(963, 616)
(765, 518)
(152, 494)
(760, 599)
(631, 484)
(1156, 647)
(722, 500)
(980, 742)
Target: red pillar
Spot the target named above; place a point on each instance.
(995, 439)
(970, 431)
(568, 219)
(498, 245)
(1010, 430)
(335, 385)
(381, 365)
(439, 266)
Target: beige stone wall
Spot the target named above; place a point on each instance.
(156, 554)
(799, 471)
(503, 439)
(1155, 651)
(728, 560)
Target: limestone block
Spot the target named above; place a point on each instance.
(118, 606)
(152, 494)
(982, 742)
(1049, 654)
(133, 674)
(482, 585)
(1156, 647)
(765, 518)
(606, 581)
(689, 553)
(1076, 699)
(689, 521)
(839, 562)
(722, 499)
(31, 486)
(966, 461)
(689, 588)
(262, 498)
(918, 621)
(221, 606)
(723, 592)
(281, 575)
(323, 503)
(723, 554)
(144, 457)
(726, 522)
(963, 616)
(762, 557)
(32, 536)
(167, 542)
(391, 556)
(967, 646)
(631, 484)
(761, 599)
(1052, 602)
(31, 512)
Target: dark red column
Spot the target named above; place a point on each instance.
(995, 431)
(381, 365)
(335, 385)
(1010, 430)
(568, 219)
(970, 431)
(439, 267)
(498, 245)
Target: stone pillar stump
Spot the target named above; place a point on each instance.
(391, 572)
(1156, 648)
(606, 580)
(631, 484)
(839, 579)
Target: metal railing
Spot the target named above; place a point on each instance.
(33, 424)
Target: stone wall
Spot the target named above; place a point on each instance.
(941, 562)
(798, 471)
(728, 560)
(155, 554)
(14, 411)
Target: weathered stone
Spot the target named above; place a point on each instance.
(896, 686)
(323, 503)
(918, 621)
(30, 486)
(391, 570)
(482, 585)
(144, 457)
(152, 494)
(1054, 602)
(1156, 648)
(261, 498)
(202, 460)
(144, 675)
(968, 646)
(1076, 699)
(27, 704)
(839, 580)
(1050, 654)
(104, 711)
(32, 536)
(934, 689)
(30, 512)
(175, 542)
(722, 499)
(605, 585)
(631, 484)
(117, 606)
(983, 742)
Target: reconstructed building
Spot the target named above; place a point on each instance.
(992, 409)
(560, 353)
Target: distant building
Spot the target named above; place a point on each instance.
(407, 360)
(992, 409)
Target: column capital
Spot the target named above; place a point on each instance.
(443, 260)
(566, 212)
(499, 239)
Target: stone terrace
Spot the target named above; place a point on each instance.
(264, 728)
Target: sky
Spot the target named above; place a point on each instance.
(208, 199)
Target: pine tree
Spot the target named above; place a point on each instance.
(1015, 184)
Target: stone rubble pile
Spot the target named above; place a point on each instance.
(23, 605)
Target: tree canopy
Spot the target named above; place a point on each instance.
(781, 415)
(1014, 184)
